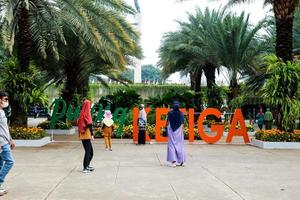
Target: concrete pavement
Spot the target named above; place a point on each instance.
(221, 172)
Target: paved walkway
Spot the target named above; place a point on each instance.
(222, 172)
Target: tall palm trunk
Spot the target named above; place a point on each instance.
(210, 71)
(213, 93)
(284, 16)
(193, 79)
(70, 85)
(19, 115)
(24, 39)
(83, 87)
(197, 89)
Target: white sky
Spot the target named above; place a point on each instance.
(158, 17)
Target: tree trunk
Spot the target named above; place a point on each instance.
(210, 71)
(284, 16)
(234, 88)
(83, 88)
(197, 89)
(24, 39)
(19, 114)
(192, 78)
(70, 84)
(213, 96)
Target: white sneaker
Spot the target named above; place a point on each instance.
(106, 149)
(171, 165)
(181, 164)
(2, 191)
(90, 168)
(85, 171)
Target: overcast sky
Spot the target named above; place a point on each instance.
(159, 17)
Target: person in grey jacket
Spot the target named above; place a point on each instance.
(6, 143)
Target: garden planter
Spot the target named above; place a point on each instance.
(33, 143)
(275, 145)
(61, 131)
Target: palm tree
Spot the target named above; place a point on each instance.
(284, 17)
(189, 49)
(79, 60)
(257, 73)
(38, 24)
(237, 45)
(174, 57)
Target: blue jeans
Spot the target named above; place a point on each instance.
(6, 162)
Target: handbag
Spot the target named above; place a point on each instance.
(85, 135)
(165, 132)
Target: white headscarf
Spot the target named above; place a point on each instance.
(143, 114)
(108, 118)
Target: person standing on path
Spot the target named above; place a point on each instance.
(260, 119)
(268, 119)
(142, 122)
(108, 128)
(6, 143)
(85, 129)
(175, 149)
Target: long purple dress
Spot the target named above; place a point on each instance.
(175, 151)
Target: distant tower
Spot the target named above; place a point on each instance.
(137, 62)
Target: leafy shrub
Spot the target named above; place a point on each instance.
(58, 125)
(122, 98)
(275, 135)
(27, 133)
(281, 90)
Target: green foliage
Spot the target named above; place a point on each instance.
(166, 100)
(215, 99)
(281, 90)
(122, 98)
(237, 102)
(23, 88)
(128, 74)
(151, 74)
(27, 133)
(58, 125)
(249, 128)
(87, 18)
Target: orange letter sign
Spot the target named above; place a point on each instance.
(238, 117)
(218, 128)
(160, 124)
(135, 126)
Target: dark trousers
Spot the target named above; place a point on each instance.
(88, 155)
(260, 126)
(141, 137)
(268, 125)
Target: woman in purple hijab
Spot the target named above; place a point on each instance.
(175, 153)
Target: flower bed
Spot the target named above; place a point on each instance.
(29, 137)
(275, 135)
(275, 139)
(27, 133)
